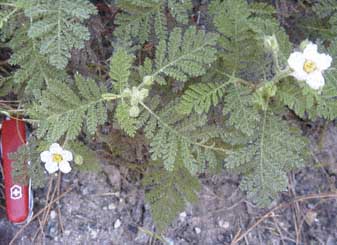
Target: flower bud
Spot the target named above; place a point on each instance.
(148, 80)
(271, 43)
(143, 93)
(126, 92)
(134, 111)
(78, 160)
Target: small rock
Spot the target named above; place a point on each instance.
(117, 223)
(310, 217)
(169, 241)
(111, 206)
(331, 240)
(53, 214)
(67, 232)
(105, 208)
(182, 216)
(114, 176)
(197, 230)
(224, 224)
(93, 234)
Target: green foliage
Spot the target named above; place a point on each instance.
(128, 124)
(85, 159)
(26, 165)
(327, 11)
(62, 110)
(179, 9)
(57, 27)
(237, 40)
(239, 106)
(275, 149)
(175, 137)
(168, 192)
(139, 20)
(120, 69)
(184, 55)
(34, 70)
(242, 28)
(201, 96)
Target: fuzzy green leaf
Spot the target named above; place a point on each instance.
(120, 65)
(200, 97)
(239, 105)
(274, 150)
(58, 27)
(61, 111)
(185, 54)
(168, 193)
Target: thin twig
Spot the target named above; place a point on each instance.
(58, 206)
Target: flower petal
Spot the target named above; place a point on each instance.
(300, 75)
(315, 80)
(65, 167)
(46, 156)
(67, 155)
(323, 61)
(310, 51)
(51, 167)
(296, 61)
(55, 148)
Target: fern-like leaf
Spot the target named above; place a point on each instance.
(34, 70)
(127, 123)
(185, 54)
(237, 40)
(58, 27)
(146, 20)
(168, 193)
(175, 137)
(265, 161)
(239, 106)
(201, 96)
(120, 65)
(61, 111)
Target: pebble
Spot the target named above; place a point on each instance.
(67, 232)
(182, 216)
(197, 230)
(224, 224)
(117, 223)
(112, 206)
(53, 214)
(93, 234)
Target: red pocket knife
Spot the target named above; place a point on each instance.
(19, 199)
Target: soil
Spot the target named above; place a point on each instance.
(108, 207)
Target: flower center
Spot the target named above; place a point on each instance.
(57, 158)
(309, 66)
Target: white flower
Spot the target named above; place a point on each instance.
(309, 65)
(56, 159)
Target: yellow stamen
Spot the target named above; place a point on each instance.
(309, 66)
(57, 158)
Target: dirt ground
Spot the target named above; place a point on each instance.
(108, 207)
